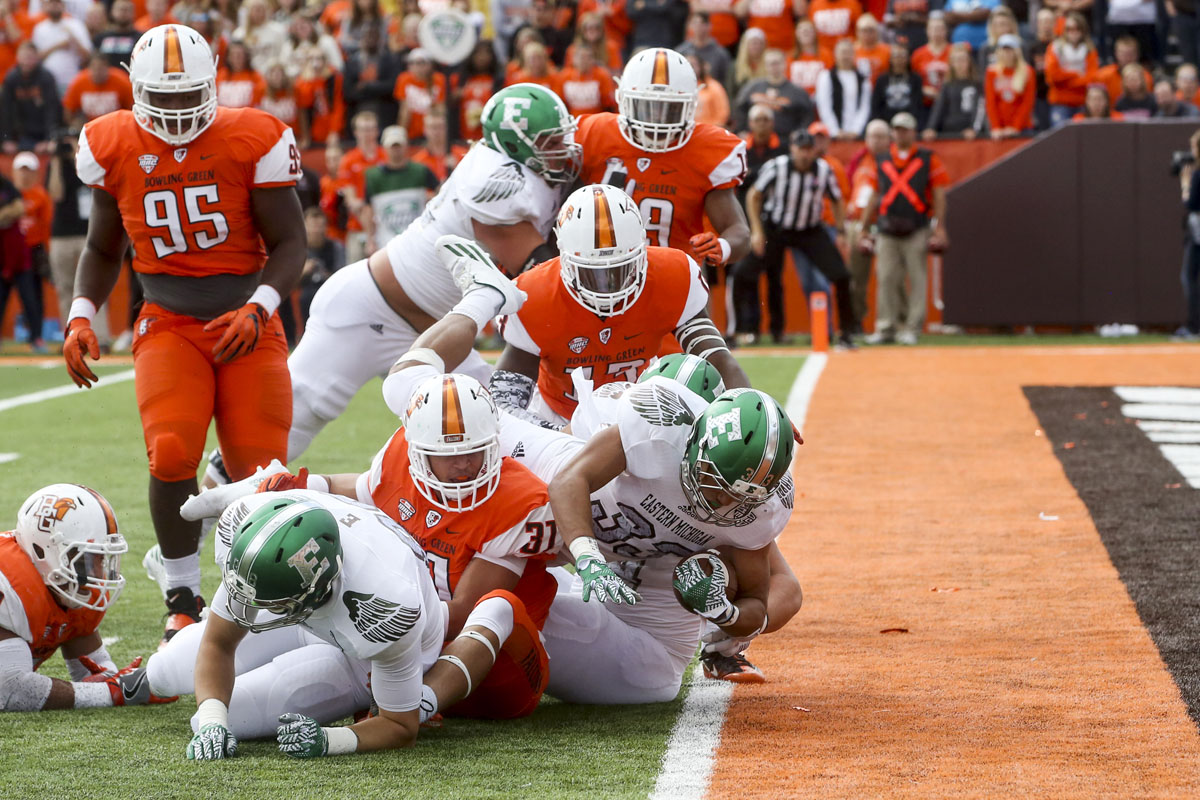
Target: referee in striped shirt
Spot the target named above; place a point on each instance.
(784, 210)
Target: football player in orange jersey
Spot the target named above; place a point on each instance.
(60, 571)
(198, 191)
(678, 171)
(633, 297)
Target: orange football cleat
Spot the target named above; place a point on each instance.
(183, 609)
(735, 668)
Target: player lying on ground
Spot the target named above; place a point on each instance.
(60, 571)
(605, 305)
(332, 591)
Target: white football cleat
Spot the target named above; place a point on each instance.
(155, 570)
(471, 268)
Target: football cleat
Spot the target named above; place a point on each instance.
(183, 609)
(155, 570)
(471, 267)
(735, 668)
(215, 471)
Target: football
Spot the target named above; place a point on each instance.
(731, 589)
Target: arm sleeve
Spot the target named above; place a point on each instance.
(21, 689)
(278, 167)
(697, 299)
(525, 539)
(396, 673)
(515, 334)
(731, 171)
(86, 165)
(369, 481)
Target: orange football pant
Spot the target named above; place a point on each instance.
(180, 390)
(513, 688)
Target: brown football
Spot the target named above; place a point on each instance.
(731, 589)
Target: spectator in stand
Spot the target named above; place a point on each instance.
(1138, 19)
(655, 23)
(808, 58)
(325, 257)
(417, 90)
(36, 221)
(898, 89)
(262, 35)
(16, 270)
(397, 190)
(537, 67)
(284, 10)
(319, 94)
(960, 109)
(1170, 106)
(870, 54)
(617, 24)
(279, 100)
(700, 42)
(542, 15)
(932, 60)
(238, 84)
(1185, 27)
(15, 27)
(968, 21)
(29, 105)
(96, 91)
(1044, 35)
(1136, 102)
(905, 239)
(712, 101)
(353, 181)
(863, 183)
(95, 20)
(775, 18)
(117, 41)
(475, 82)
(844, 94)
(438, 155)
(517, 62)
(1001, 22)
(1187, 84)
(908, 20)
(1096, 106)
(333, 201)
(834, 20)
(593, 35)
(1070, 62)
(157, 13)
(794, 109)
(68, 232)
(748, 66)
(304, 42)
(332, 14)
(63, 44)
(1009, 89)
(742, 282)
(404, 35)
(371, 76)
(1127, 51)
(585, 87)
(364, 14)
(508, 16)
(723, 19)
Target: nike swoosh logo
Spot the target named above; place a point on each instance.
(634, 336)
(132, 692)
(667, 171)
(207, 157)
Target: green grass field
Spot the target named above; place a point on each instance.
(94, 438)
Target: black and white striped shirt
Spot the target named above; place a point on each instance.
(794, 200)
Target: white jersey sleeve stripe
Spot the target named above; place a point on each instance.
(12, 611)
(529, 537)
(697, 299)
(86, 165)
(732, 168)
(276, 165)
(516, 335)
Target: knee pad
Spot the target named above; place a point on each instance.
(172, 456)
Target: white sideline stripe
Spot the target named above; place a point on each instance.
(1158, 394)
(107, 640)
(7, 457)
(687, 765)
(60, 391)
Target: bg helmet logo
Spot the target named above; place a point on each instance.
(52, 510)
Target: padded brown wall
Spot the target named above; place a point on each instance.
(1082, 227)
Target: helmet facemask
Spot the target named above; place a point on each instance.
(88, 574)
(557, 157)
(287, 611)
(716, 500)
(605, 285)
(656, 121)
(175, 126)
(456, 495)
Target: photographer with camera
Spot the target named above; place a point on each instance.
(1184, 164)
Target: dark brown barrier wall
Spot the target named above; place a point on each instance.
(1082, 227)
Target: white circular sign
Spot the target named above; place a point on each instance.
(448, 35)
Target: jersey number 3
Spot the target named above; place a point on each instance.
(163, 213)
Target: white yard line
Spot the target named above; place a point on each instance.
(687, 765)
(60, 391)
(7, 457)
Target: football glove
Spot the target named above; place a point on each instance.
(301, 737)
(81, 340)
(213, 502)
(211, 742)
(283, 481)
(705, 593)
(242, 326)
(707, 248)
(128, 687)
(598, 579)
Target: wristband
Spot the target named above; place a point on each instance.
(725, 249)
(81, 307)
(267, 297)
(93, 695)
(340, 741)
(212, 712)
(318, 483)
(585, 546)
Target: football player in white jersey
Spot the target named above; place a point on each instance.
(505, 195)
(333, 591)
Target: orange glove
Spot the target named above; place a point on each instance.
(129, 687)
(284, 481)
(245, 325)
(707, 248)
(81, 340)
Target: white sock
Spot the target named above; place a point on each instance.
(183, 572)
(495, 614)
(479, 305)
(429, 704)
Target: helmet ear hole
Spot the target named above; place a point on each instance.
(37, 548)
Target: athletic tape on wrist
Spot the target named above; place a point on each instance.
(340, 741)
(318, 483)
(212, 712)
(267, 297)
(585, 546)
(725, 249)
(81, 307)
(424, 355)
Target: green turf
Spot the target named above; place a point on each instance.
(94, 438)
(46, 374)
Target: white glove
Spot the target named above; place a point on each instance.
(213, 502)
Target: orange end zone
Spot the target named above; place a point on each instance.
(1024, 668)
